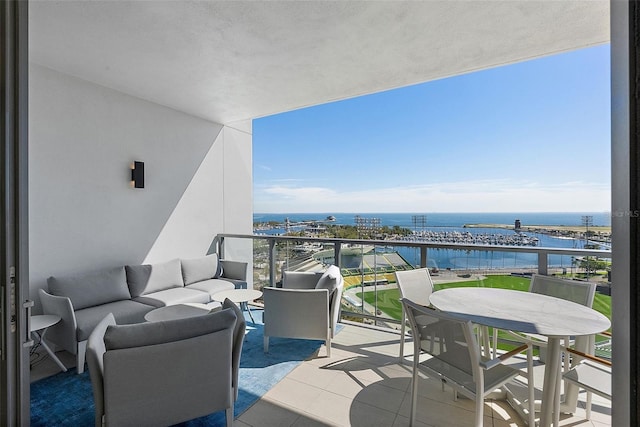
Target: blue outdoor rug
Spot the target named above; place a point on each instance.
(66, 399)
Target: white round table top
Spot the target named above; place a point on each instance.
(237, 295)
(521, 311)
(41, 321)
(180, 311)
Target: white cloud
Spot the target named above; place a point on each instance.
(470, 196)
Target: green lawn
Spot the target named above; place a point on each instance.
(388, 300)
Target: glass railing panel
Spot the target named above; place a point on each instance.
(351, 266)
(370, 288)
(261, 261)
(368, 266)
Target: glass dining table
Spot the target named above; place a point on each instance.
(529, 313)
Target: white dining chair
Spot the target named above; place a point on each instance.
(414, 285)
(591, 373)
(577, 291)
(456, 358)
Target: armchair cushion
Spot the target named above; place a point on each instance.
(92, 289)
(198, 269)
(329, 280)
(149, 278)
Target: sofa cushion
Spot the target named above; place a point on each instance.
(125, 312)
(173, 296)
(198, 269)
(329, 280)
(238, 284)
(212, 286)
(148, 278)
(96, 288)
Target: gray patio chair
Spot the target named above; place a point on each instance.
(307, 306)
(455, 357)
(238, 341)
(162, 373)
(591, 373)
(417, 286)
(571, 290)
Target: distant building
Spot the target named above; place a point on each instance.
(517, 225)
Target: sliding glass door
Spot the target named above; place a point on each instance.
(14, 239)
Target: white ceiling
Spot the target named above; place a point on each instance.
(237, 60)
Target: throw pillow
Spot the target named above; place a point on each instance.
(199, 269)
(329, 280)
(149, 278)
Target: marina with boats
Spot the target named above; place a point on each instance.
(463, 229)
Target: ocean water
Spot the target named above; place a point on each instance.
(459, 259)
(447, 219)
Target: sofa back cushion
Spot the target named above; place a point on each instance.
(92, 289)
(149, 278)
(199, 269)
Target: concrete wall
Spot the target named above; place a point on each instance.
(84, 215)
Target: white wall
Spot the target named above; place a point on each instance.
(83, 213)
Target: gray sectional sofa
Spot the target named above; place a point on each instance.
(130, 292)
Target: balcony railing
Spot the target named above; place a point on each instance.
(365, 269)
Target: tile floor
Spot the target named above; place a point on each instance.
(363, 384)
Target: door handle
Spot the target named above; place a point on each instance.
(27, 306)
(3, 331)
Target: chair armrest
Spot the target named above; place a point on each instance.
(587, 356)
(300, 279)
(95, 352)
(62, 333)
(488, 364)
(236, 270)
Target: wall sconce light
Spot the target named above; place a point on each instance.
(137, 174)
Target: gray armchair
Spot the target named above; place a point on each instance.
(163, 373)
(307, 306)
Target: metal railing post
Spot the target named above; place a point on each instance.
(272, 262)
(423, 257)
(336, 253)
(543, 263)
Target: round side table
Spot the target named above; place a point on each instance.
(42, 322)
(181, 311)
(239, 296)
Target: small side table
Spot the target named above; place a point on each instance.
(181, 311)
(239, 296)
(42, 322)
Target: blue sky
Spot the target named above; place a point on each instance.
(527, 137)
